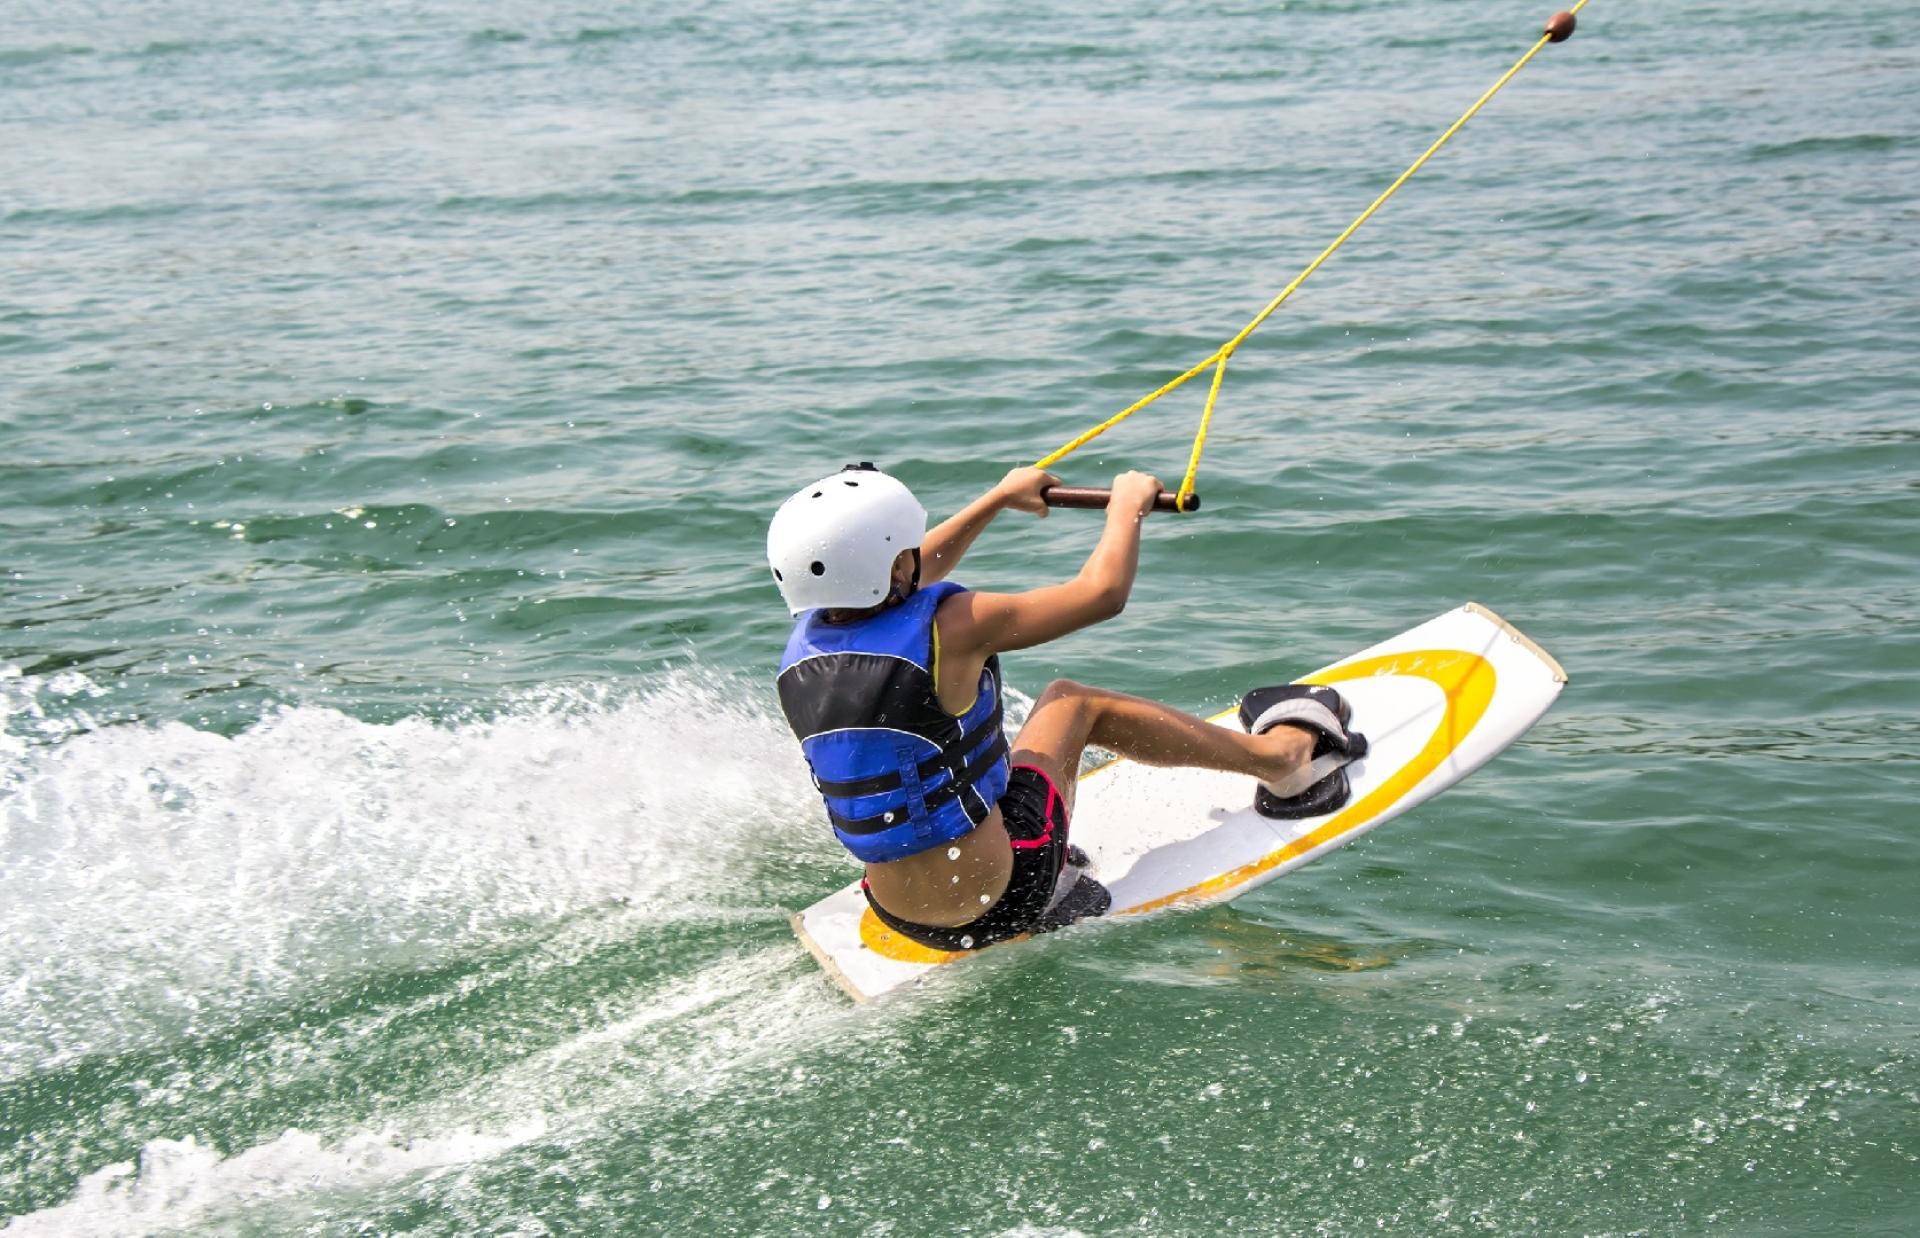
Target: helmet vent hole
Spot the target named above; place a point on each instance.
(819, 568)
(777, 576)
(816, 494)
(854, 484)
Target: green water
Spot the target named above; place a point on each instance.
(397, 833)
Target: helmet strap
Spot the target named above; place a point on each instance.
(895, 595)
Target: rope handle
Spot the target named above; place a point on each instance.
(1097, 497)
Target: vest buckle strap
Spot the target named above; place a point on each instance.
(916, 795)
(929, 800)
(951, 758)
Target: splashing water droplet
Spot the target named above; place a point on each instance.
(966, 943)
(953, 853)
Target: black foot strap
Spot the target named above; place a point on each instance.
(1325, 713)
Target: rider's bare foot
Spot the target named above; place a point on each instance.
(1286, 752)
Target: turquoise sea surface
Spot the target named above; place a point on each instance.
(397, 827)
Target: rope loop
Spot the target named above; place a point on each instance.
(1556, 30)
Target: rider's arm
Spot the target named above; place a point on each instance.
(986, 623)
(947, 541)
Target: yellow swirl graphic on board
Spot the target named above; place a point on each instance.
(1466, 680)
(888, 944)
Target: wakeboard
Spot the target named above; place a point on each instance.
(1435, 703)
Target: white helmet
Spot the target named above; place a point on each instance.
(834, 542)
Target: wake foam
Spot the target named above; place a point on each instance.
(721, 1020)
(163, 880)
(176, 1181)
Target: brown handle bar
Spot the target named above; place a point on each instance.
(1097, 497)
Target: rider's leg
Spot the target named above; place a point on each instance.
(1069, 716)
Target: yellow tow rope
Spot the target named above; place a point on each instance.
(1557, 30)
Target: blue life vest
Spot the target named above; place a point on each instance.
(899, 773)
